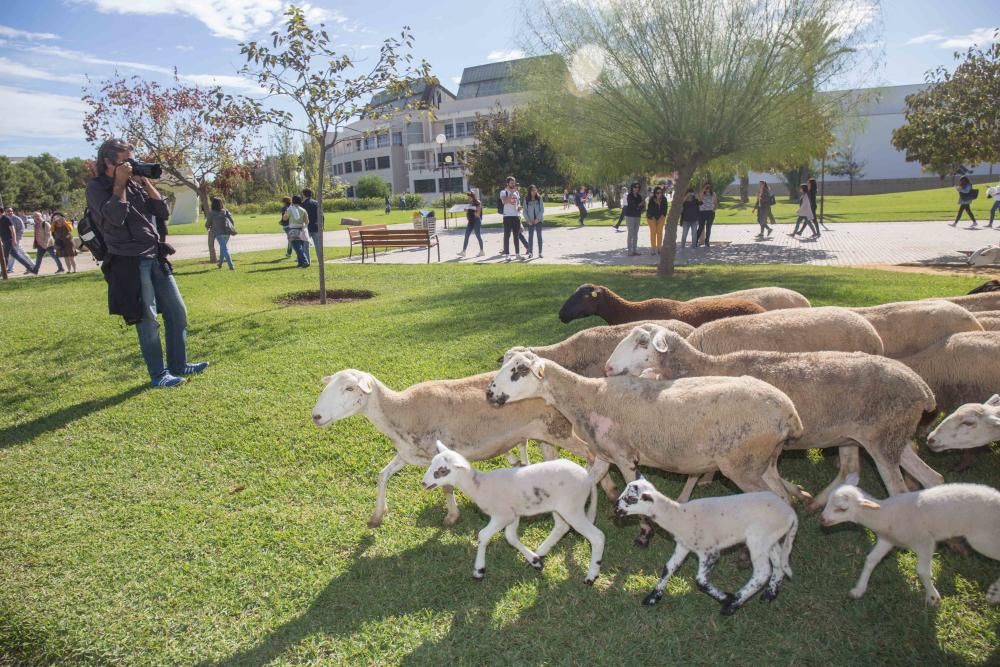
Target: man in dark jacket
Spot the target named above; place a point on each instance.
(312, 210)
(124, 206)
(11, 248)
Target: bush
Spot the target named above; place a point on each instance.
(371, 186)
(331, 205)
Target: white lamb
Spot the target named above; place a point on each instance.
(971, 425)
(560, 487)
(918, 521)
(709, 525)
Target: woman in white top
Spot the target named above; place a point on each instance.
(805, 214)
(706, 213)
(298, 230)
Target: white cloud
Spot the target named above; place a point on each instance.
(853, 17)
(497, 56)
(11, 68)
(224, 80)
(41, 114)
(7, 31)
(980, 36)
(933, 36)
(456, 80)
(81, 57)
(184, 47)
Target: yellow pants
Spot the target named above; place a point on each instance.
(656, 232)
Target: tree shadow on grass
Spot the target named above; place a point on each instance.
(15, 435)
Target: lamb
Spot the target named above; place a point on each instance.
(971, 425)
(797, 330)
(560, 487)
(989, 320)
(709, 525)
(689, 426)
(599, 300)
(450, 410)
(974, 303)
(917, 521)
(771, 298)
(909, 326)
(841, 397)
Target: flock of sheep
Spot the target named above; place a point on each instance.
(718, 384)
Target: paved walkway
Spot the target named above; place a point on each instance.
(854, 244)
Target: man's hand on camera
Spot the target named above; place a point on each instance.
(123, 173)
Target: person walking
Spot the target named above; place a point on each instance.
(388, 205)
(994, 194)
(298, 231)
(11, 248)
(312, 210)
(62, 234)
(634, 206)
(580, 199)
(805, 214)
(534, 213)
(813, 189)
(285, 203)
(19, 225)
(510, 200)
(965, 198)
(690, 214)
(621, 202)
(765, 200)
(656, 217)
(44, 243)
(221, 223)
(590, 198)
(474, 216)
(565, 199)
(706, 213)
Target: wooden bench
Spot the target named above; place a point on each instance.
(355, 234)
(397, 238)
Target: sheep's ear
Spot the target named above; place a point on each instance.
(648, 498)
(853, 479)
(365, 383)
(870, 504)
(327, 380)
(500, 359)
(993, 400)
(538, 368)
(639, 476)
(461, 463)
(440, 447)
(660, 342)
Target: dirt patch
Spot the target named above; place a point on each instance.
(311, 297)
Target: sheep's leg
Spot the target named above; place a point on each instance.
(578, 521)
(519, 455)
(706, 562)
(774, 481)
(988, 544)
(748, 480)
(878, 552)
(485, 535)
(558, 531)
(680, 553)
(394, 466)
(925, 556)
(923, 473)
(850, 461)
(689, 487)
(777, 574)
(890, 473)
(707, 478)
(761, 574)
(629, 472)
(549, 452)
(449, 498)
(510, 532)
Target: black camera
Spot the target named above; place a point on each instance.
(147, 169)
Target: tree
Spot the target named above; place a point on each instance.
(687, 85)
(954, 120)
(506, 144)
(328, 87)
(10, 184)
(846, 163)
(194, 133)
(371, 186)
(78, 172)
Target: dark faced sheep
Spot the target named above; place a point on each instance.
(599, 300)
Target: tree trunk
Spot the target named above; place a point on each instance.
(205, 208)
(668, 251)
(320, 218)
(744, 188)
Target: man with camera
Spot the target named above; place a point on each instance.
(124, 205)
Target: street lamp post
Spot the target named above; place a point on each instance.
(440, 139)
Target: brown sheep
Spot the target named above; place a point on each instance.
(599, 300)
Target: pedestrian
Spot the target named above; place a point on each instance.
(635, 204)
(966, 195)
(580, 199)
(604, 198)
(388, 205)
(656, 217)
(534, 213)
(44, 243)
(140, 279)
(510, 200)
(621, 203)
(813, 189)
(62, 234)
(312, 210)
(994, 194)
(11, 248)
(590, 198)
(690, 214)
(221, 223)
(19, 225)
(474, 216)
(805, 214)
(565, 199)
(706, 213)
(298, 231)
(285, 203)
(765, 200)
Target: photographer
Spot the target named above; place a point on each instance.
(124, 206)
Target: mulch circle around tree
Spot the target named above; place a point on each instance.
(311, 297)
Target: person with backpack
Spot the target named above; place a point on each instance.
(509, 206)
(62, 234)
(221, 223)
(765, 200)
(298, 230)
(635, 204)
(966, 195)
(311, 207)
(656, 216)
(123, 207)
(283, 221)
(44, 243)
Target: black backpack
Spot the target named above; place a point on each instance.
(91, 236)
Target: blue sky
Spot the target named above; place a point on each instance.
(49, 47)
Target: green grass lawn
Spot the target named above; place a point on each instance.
(921, 205)
(215, 525)
(267, 223)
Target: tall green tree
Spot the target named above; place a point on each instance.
(10, 184)
(688, 85)
(302, 64)
(847, 163)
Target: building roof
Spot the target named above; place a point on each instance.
(499, 78)
(421, 91)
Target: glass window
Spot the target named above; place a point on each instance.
(347, 167)
(449, 131)
(369, 143)
(369, 163)
(397, 138)
(383, 162)
(450, 184)
(357, 165)
(382, 140)
(423, 185)
(350, 191)
(357, 144)
(460, 129)
(414, 133)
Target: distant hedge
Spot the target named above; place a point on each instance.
(333, 205)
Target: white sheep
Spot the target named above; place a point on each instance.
(971, 425)
(975, 303)
(918, 521)
(962, 368)
(989, 320)
(450, 410)
(558, 487)
(709, 525)
(791, 330)
(771, 298)
(906, 327)
(985, 256)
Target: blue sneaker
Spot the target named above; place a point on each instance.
(167, 380)
(194, 369)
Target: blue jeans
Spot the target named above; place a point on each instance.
(224, 250)
(583, 213)
(993, 211)
(301, 252)
(470, 228)
(41, 254)
(159, 292)
(315, 236)
(532, 230)
(15, 253)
